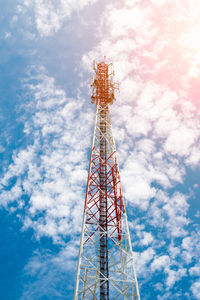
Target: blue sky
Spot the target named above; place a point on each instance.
(46, 119)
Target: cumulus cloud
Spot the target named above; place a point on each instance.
(146, 238)
(52, 170)
(143, 260)
(164, 263)
(49, 15)
(160, 262)
(195, 270)
(195, 288)
(11, 195)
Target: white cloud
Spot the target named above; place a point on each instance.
(145, 238)
(49, 15)
(52, 171)
(124, 19)
(174, 276)
(177, 208)
(174, 251)
(190, 247)
(195, 288)
(143, 259)
(160, 262)
(11, 195)
(195, 271)
(164, 263)
(139, 192)
(173, 209)
(180, 141)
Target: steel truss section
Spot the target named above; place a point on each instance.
(105, 266)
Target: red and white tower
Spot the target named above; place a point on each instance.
(105, 266)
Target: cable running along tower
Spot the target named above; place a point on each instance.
(105, 266)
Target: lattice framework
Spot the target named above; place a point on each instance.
(105, 267)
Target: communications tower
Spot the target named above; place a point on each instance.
(105, 266)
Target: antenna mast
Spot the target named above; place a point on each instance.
(105, 266)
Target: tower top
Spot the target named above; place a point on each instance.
(102, 83)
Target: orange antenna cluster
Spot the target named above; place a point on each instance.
(103, 85)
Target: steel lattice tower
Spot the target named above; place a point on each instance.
(105, 266)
